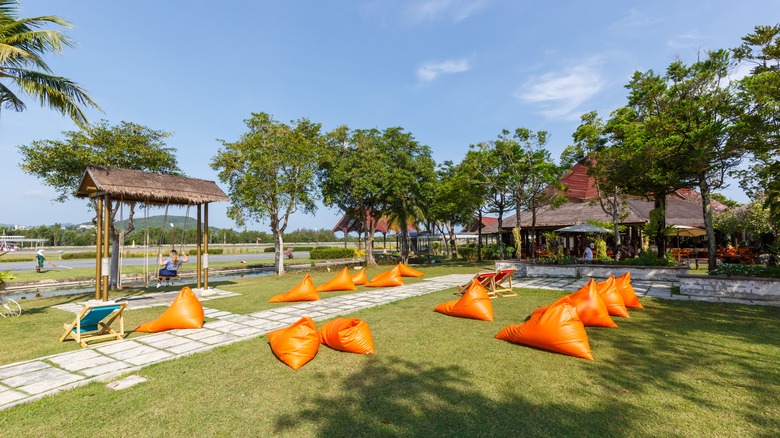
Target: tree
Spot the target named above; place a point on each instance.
(22, 46)
(61, 163)
(270, 172)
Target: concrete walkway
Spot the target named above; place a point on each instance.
(31, 380)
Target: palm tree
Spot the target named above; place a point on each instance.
(22, 46)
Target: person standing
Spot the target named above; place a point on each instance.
(41, 258)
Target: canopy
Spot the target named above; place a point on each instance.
(582, 228)
(686, 231)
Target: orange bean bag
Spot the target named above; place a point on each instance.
(342, 281)
(475, 303)
(360, 277)
(303, 291)
(347, 334)
(297, 344)
(406, 271)
(614, 301)
(185, 312)
(558, 329)
(387, 279)
(624, 288)
(591, 309)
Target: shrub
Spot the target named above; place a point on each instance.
(386, 259)
(212, 251)
(269, 249)
(732, 270)
(331, 253)
(79, 255)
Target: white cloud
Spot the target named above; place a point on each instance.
(38, 194)
(432, 70)
(688, 40)
(634, 19)
(560, 93)
(456, 10)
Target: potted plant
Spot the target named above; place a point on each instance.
(5, 276)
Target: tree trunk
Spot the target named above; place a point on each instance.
(370, 249)
(479, 237)
(704, 187)
(615, 220)
(518, 234)
(660, 217)
(278, 249)
(501, 234)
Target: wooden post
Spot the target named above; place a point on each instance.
(98, 246)
(199, 239)
(206, 245)
(106, 242)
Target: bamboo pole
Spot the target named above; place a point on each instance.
(206, 245)
(106, 242)
(199, 239)
(98, 246)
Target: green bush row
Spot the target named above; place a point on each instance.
(489, 252)
(297, 248)
(212, 251)
(331, 253)
(733, 270)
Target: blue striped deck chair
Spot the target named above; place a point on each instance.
(89, 326)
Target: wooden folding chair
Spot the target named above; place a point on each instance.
(502, 283)
(485, 278)
(89, 326)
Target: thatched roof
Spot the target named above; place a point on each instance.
(149, 188)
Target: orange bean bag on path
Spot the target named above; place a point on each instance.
(303, 291)
(297, 344)
(475, 303)
(558, 329)
(614, 301)
(590, 307)
(347, 334)
(185, 312)
(360, 277)
(342, 281)
(387, 279)
(624, 288)
(406, 271)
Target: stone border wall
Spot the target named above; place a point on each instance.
(750, 288)
(659, 273)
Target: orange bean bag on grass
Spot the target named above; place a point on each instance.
(387, 279)
(475, 304)
(297, 344)
(558, 329)
(406, 271)
(591, 309)
(624, 288)
(351, 335)
(303, 291)
(360, 278)
(185, 312)
(342, 281)
(614, 301)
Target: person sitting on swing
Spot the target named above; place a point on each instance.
(171, 269)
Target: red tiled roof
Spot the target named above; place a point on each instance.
(347, 224)
(694, 197)
(486, 221)
(579, 185)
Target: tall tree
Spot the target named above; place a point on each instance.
(270, 172)
(61, 163)
(23, 44)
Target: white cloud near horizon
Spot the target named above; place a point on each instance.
(560, 93)
(432, 70)
(634, 19)
(456, 10)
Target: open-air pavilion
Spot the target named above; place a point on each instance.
(107, 186)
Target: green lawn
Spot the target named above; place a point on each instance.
(675, 369)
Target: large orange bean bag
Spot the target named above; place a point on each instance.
(614, 301)
(475, 303)
(387, 279)
(347, 334)
(185, 312)
(360, 277)
(558, 329)
(342, 281)
(624, 288)
(303, 291)
(591, 309)
(406, 271)
(297, 344)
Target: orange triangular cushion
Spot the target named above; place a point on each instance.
(624, 288)
(185, 312)
(406, 271)
(303, 291)
(558, 329)
(360, 277)
(348, 334)
(387, 279)
(342, 281)
(475, 303)
(296, 344)
(614, 301)
(591, 309)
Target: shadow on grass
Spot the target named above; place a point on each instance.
(398, 397)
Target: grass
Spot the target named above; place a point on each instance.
(675, 369)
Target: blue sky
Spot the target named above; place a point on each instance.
(452, 72)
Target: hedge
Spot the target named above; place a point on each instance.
(733, 270)
(331, 253)
(297, 248)
(212, 251)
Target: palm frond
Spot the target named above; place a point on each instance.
(9, 100)
(56, 92)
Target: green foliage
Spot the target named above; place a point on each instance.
(78, 255)
(212, 251)
(489, 252)
(734, 270)
(601, 248)
(555, 259)
(331, 253)
(753, 218)
(6, 276)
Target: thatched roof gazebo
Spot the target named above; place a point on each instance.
(108, 184)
